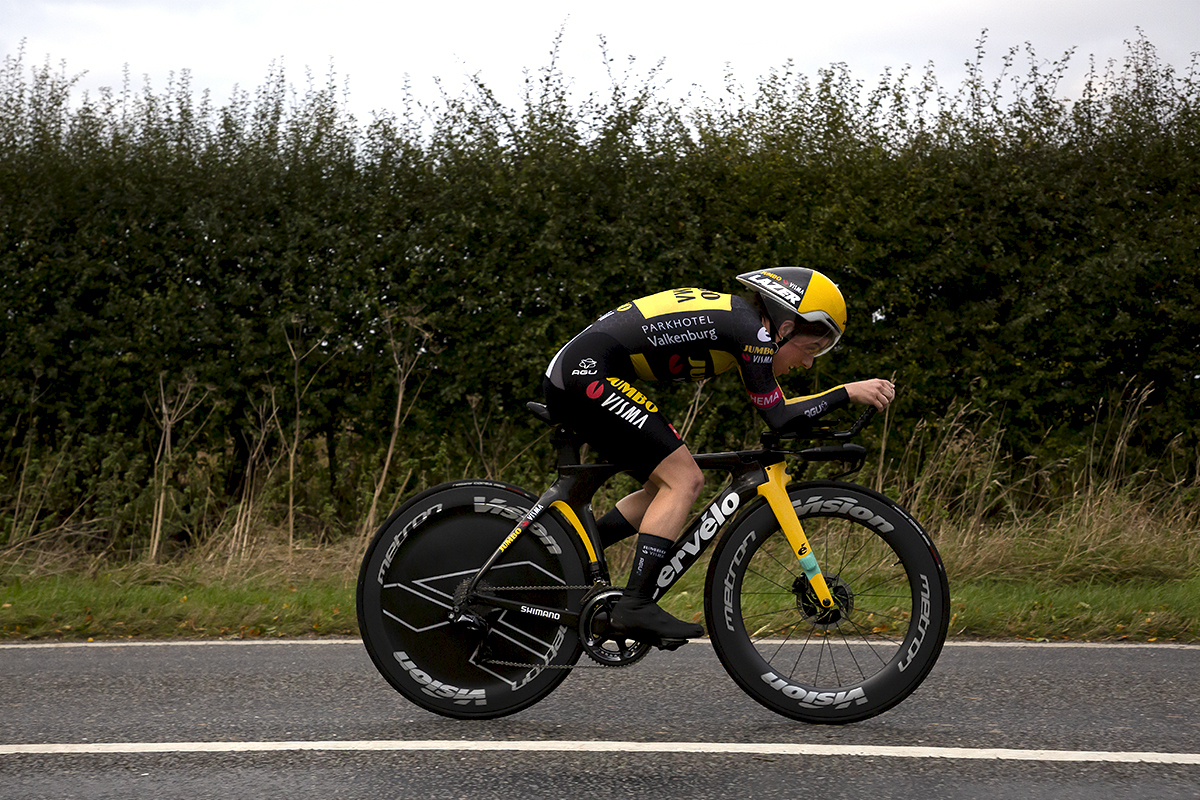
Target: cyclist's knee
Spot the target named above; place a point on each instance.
(693, 483)
(678, 474)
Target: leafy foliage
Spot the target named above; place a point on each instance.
(999, 245)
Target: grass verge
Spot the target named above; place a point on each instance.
(310, 593)
(1143, 610)
(124, 603)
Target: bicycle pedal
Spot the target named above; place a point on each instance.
(670, 644)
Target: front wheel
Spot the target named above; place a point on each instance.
(837, 665)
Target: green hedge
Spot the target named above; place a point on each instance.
(253, 264)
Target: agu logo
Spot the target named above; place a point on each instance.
(586, 367)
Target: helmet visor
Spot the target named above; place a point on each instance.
(817, 326)
(823, 331)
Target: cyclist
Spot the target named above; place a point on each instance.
(794, 316)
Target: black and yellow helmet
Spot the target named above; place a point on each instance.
(801, 295)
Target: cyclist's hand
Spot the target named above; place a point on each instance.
(874, 392)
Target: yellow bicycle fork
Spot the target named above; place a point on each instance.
(775, 492)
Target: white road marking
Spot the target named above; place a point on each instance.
(173, 643)
(354, 641)
(719, 748)
(777, 749)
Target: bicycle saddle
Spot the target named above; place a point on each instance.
(540, 411)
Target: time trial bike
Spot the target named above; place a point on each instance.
(824, 600)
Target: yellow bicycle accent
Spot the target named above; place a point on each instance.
(566, 511)
(775, 492)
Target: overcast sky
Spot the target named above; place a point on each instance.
(373, 44)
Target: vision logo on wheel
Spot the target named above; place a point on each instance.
(435, 688)
(810, 699)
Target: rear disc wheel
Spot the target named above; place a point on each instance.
(423, 556)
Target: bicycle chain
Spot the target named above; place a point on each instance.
(500, 663)
(533, 588)
(552, 666)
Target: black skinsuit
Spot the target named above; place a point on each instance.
(678, 335)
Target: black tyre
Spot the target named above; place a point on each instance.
(422, 555)
(820, 666)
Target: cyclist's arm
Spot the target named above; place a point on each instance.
(799, 411)
(783, 413)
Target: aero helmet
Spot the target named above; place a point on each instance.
(800, 295)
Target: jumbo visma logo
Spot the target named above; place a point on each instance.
(626, 402)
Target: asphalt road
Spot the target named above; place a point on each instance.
(314, 720)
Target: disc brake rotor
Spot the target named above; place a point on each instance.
(809, 606)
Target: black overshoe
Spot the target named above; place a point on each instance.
(644, 620)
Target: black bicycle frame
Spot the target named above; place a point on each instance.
(571, 496)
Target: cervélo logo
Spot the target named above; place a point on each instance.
(688, 547)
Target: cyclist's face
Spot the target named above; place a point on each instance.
(799, 351)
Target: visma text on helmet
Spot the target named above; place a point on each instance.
(776, 288)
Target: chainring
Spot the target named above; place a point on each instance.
(600, 642)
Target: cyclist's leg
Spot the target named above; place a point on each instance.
(614, 527)
(630, 430)
(672, 488)
(661, 507)
(666, 500)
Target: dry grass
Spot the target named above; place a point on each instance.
(1085, 548)
(1087, 520)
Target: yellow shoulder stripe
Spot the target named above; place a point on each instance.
(812, 396)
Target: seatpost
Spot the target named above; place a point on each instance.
(566, 447)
